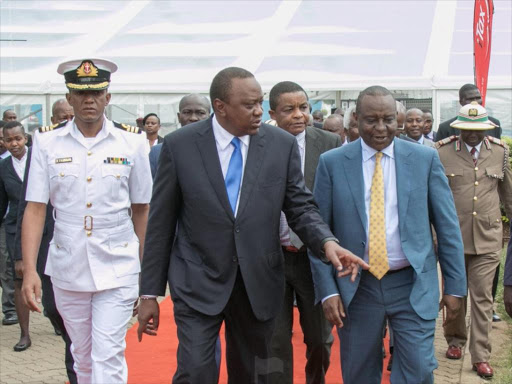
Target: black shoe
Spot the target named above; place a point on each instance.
(495, 317)
(21, 347)
(10, 319)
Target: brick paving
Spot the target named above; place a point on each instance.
(43, 362)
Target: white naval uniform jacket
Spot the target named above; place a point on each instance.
(91, 185)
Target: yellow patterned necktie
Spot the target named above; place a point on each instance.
(377, 252)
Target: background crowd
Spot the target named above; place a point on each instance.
(439, 191)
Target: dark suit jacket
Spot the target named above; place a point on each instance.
(202, 258)
(154, 154)
(317, 142)
(10, 187)
(48, 224)
(445, 130)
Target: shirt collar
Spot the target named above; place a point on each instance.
(420, 140)
(478, 146)
(23, 159)
(369, 152)
(223, 137)
(72, 129)
(301, 139)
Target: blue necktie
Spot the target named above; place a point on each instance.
(234, 174)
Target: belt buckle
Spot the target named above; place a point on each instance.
(88, 223)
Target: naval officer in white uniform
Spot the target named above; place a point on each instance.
(96, 174)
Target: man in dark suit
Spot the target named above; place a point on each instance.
(225, 263)
(380, 196)
(62, 111)
(507, 278)
(12, 170)
(192, 108)
(467, 94)
(289, 108)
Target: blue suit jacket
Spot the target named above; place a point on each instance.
(424, 198)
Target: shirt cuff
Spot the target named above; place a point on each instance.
(328, 297)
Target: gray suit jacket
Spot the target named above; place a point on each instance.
(202, 258)
(317, 142)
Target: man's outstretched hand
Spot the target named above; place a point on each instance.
(345, 262)
(149, 316)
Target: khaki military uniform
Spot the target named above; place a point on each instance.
(477, 191)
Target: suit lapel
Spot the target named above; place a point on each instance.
(313, 152)
(404, 174)
(353, 165)
(12, 171)
(255, 157)
(464, 153)
(208, 150)
(484, 154)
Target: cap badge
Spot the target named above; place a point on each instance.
(87, 69)
(473, 112)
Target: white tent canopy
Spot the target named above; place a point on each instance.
(176, 47)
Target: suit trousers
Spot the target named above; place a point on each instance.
(96, 323)
(480, 271)
(247, 341)
(361, 335)
(6, 276)
(317, 330)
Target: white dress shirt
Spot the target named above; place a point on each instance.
(225, 150)
(19, 165)
(5, 154)
(421, 139)
(396, 256)
(477, 147)
(284, 229)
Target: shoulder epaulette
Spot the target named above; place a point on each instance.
(446, 140)
(53, 127)
(494, 140)
(127, 128)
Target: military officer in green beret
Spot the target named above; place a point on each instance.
(480, 177)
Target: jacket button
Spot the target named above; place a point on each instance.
(237, 230)
(89, 205)
(89, 233)
(89, 153)
(475, 198)
(476, 168)
(452, 175)
(474, 213)
(61, 174)
(89, 178)
(235, 259)
(476, 182)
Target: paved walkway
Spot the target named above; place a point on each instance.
(44, 361)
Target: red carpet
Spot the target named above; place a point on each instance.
(154, 360)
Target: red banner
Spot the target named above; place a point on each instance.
(482, 31)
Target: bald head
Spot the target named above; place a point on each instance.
(334, 124)
(61, 111)
(9, 115)
(193, 108)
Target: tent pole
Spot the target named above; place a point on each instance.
(47, 110)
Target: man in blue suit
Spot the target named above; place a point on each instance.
(383, 211)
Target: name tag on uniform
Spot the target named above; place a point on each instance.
(64, 160)
(117, 160)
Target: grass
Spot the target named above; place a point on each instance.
(503, 364)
